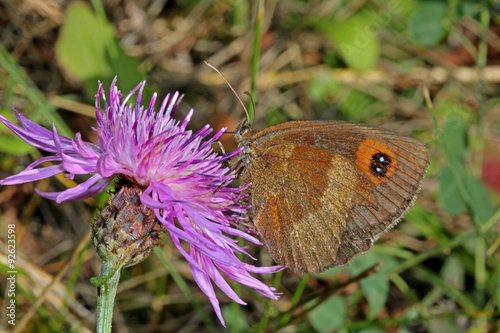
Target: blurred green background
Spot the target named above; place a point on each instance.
(427, 69)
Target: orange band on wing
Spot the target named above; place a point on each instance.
(377, 160)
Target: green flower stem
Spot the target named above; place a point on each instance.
(255, 57)
(106, 296)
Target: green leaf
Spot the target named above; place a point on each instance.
(469, 8)
(455, 138)
(236, 322)
(323, 88)
(355, 105)
(453, 272)
(99, 280)
(274, 116)
(426, 25)
(375, 288)
(495, 286)
(13, 145)
(449, 197)
(427, 224)
(82, 45)
(355, 37)
(363, 262)
(329, 315)
(481, 203)
(88, 51)
(372, 330)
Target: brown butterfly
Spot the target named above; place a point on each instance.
(322, 191)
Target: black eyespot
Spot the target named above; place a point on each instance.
(380, 164)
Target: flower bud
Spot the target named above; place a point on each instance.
(125, 231)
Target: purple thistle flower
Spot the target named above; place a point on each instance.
(182, 178)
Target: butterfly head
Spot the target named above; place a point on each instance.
(243, 132)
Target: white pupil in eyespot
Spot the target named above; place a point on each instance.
(382, 159)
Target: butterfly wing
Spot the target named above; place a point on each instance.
(385, 170)
(299, 203)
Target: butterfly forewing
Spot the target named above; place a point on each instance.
(322, 191)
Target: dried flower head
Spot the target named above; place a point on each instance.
(174, 171)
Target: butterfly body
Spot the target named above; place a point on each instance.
(323, 191)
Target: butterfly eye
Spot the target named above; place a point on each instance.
(245, 129)
(242, 129)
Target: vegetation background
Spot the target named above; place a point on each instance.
(427, 69)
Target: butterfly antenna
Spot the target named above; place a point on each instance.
(230, 87)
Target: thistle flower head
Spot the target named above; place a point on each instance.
(175, 174)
